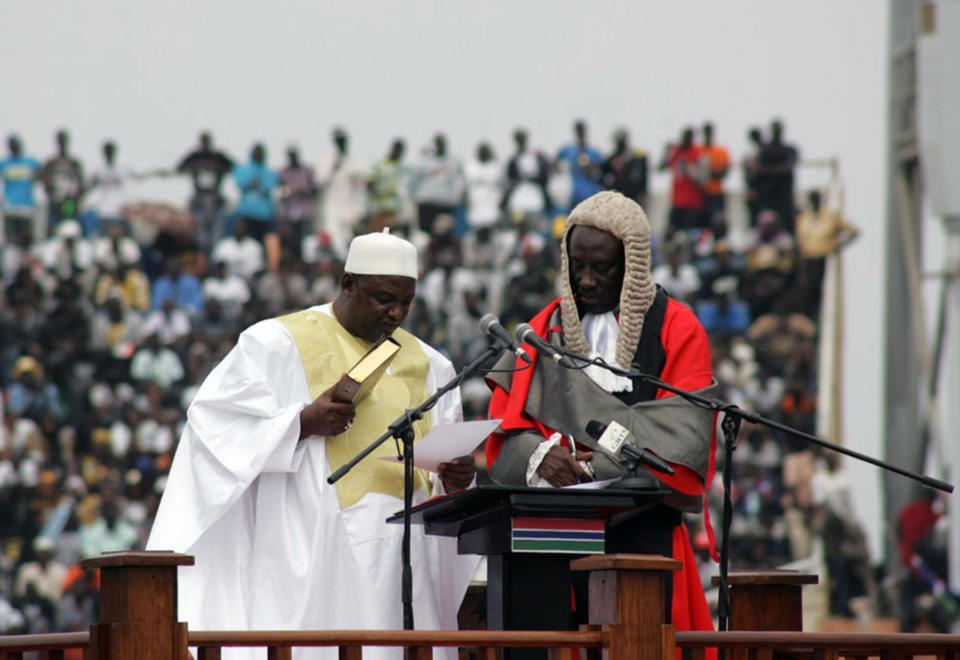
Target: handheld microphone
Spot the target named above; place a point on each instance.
(614, 437)
(490, 325)
(527, 335)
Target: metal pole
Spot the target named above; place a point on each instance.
(406, 593)
(951, 391)
(730, 426)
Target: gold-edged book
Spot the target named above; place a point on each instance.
(362, 377)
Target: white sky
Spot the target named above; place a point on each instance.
(150, 75)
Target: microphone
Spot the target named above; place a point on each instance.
(490, 325)
(527, 335)
(614, 437)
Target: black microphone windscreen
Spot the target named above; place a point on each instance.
(595, 428)
(488, 320)
(522, 331)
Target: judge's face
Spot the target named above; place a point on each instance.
(596, 269)
(375, 305)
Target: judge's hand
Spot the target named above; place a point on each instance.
(457, 474)
(325, 416)
(560, 469)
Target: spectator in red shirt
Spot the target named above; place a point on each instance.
(687, 205)
(914, 522)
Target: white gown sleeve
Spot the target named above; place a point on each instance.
(449, 408)
(244, 420)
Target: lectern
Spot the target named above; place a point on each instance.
(530, 536)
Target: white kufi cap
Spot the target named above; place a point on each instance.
(381, 254)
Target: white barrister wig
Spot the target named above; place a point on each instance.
(624, 218)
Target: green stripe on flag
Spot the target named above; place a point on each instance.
(555, 545)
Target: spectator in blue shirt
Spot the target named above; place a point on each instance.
(30, 395)
(19, 173)
(256, 182)
(584, 164)
(184, 289)
(723, 315)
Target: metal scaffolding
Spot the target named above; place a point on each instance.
(922, 382)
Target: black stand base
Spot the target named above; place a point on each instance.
(528, 592)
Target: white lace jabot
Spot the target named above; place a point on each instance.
(602, 332)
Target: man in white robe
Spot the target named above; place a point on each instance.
(276, 546)
(343, 200)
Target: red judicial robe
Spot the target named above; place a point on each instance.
(687, 366)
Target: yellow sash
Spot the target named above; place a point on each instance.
(327, 350)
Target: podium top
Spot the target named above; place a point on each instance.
(449, 515)
(625, 562)
(138, 558)
(769, 577)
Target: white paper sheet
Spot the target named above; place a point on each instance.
(448, 441)
(594, 485)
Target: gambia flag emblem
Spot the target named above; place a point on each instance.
(557, 535)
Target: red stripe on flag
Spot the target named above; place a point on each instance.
(558, 523)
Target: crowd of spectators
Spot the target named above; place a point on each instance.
(113, 312)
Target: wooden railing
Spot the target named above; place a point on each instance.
(819, 646)
(53, 646)
(739, 645)
(627, 616)
(351, 642)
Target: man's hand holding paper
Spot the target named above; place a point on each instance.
(458, 473)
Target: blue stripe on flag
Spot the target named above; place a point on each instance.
(557, 534)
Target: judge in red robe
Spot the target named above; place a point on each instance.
(610, 307)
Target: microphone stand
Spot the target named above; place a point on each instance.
(402, 430)
(733, 416)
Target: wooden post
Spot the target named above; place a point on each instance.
(628, 598)
(767, 600)
(138, 607)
